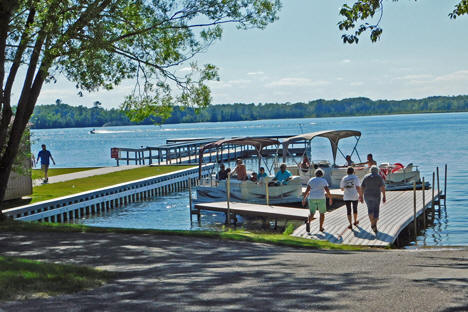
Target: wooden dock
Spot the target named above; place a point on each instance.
(395, 215)
(245, 209)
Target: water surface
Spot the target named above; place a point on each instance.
(427, 140)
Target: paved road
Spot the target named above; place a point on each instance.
(160, 273)
(84, 174)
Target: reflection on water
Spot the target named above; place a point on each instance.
(427, 140)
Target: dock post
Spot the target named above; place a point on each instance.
(228, 197)
(445, 186)
(424, 203)
(438, 186)
(433, 184)
(190, 199)
(267, 194)
(415, 221)
(150, 160)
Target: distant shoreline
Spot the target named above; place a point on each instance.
(61, 115)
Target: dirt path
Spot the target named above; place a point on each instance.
(161, 273)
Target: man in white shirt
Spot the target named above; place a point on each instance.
(316, 189)
(351, 187)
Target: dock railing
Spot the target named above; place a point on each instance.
(186, 152)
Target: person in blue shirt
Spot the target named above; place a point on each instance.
(282, 176)
(45, 157)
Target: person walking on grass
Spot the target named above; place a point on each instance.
(351, 187)
(45, 157)
(316, 189)
(372, 185)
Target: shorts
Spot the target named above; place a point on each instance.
(44, 166)
(317, 204)
(373, 207)
(348, 206)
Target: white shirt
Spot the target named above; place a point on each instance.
(348, 184)
(317, 186)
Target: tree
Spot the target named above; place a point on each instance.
(98, 43)
(365, 10)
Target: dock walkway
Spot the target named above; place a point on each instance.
(84, 174)
(395, 215)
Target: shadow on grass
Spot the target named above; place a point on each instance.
(23, 278)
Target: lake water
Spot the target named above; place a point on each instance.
(427, 140)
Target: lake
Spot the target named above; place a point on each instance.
(427, 140)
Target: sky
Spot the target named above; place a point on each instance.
(301, 57)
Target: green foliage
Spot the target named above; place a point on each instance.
(365, 10)
(23, 278)
(289, 229)
(56, 116)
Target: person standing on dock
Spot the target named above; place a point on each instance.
(372, 185)
(45, 155)
(351, 187)
(316, 189)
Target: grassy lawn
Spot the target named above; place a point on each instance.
(239, 235)
(39, 174)
(54, 190)
(22, 278)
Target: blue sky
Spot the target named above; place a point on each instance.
(301, 57)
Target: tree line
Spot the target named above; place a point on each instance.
(61, 115)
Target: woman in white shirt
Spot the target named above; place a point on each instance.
(351, 187)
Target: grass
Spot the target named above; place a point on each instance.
(238, 235)
(54, 190)
(39, 174)
(22, 278)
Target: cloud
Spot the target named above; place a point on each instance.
(297, 82)
(415, 77)
(257, 73)
(461, 75)
(346, 61)
(356, 84)
(185, 69)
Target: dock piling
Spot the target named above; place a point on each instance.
(445, 186)
(415, 220)
(190, 198)
(438, 185)
(432, 204)
(424, 203)
(228, 197)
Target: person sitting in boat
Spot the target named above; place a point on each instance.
(222, 173)
(240, 170)
(262, 174)
(370, 161)
(282, 176)
(254, 177)
(349, 162)
(305, 164)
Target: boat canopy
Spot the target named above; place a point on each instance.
(334, 136)
(258, 143)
